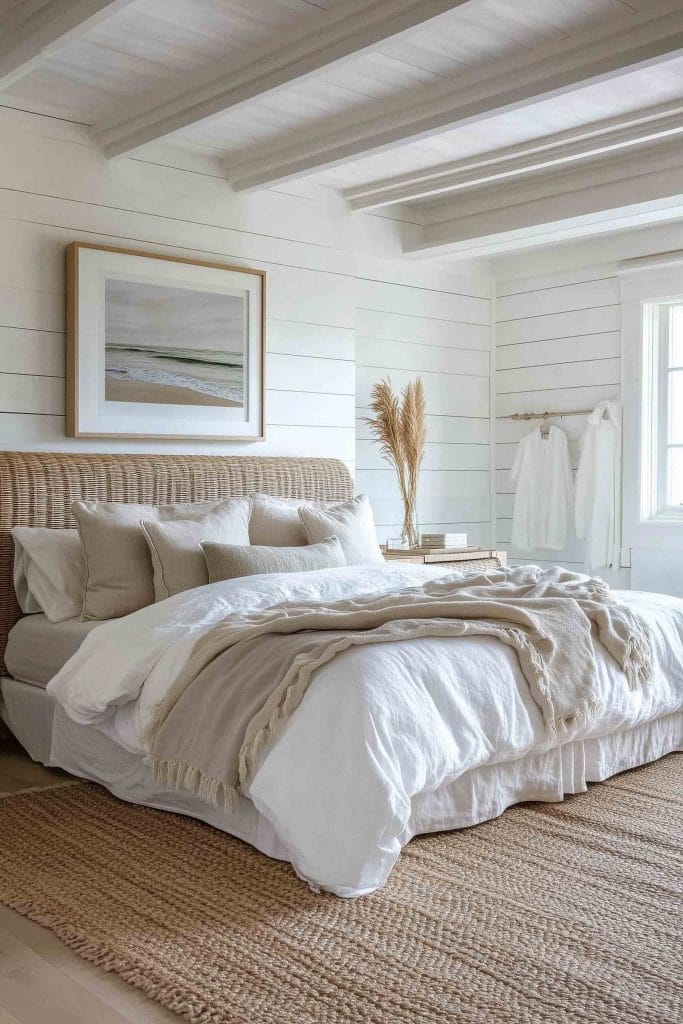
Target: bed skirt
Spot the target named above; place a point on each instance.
(485, 792)
(51, 737)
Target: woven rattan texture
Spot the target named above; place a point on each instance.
(38, 488)
(473, 563)
(551, 914)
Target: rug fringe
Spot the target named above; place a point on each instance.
(164, 992)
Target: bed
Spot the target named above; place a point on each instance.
(431, 735)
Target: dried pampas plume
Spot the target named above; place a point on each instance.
(399, 426)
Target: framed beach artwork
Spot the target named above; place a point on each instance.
(163, 347)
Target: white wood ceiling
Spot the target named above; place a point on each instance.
(471, 38)
(149, 47)
(537, 120)
(335, 72)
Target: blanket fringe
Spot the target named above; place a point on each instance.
(585, 715)
(638, 659)
(186, 777)
(251, 750)
(527, 647)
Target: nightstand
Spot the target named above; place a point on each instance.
(484, 559)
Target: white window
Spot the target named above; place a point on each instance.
(661, 485)
(652, 387)
(652, 391)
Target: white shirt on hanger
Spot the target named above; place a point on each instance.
(542, 472)
(598, 488)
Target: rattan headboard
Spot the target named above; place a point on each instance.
(37, 489)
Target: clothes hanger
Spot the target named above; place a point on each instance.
(545, 428)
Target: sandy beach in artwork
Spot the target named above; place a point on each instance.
(161, 394)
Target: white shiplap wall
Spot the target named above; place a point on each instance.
(558, 347)
(55, 187)
(445, 339)
(330, 274)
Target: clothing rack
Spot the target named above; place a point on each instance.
(546, 415)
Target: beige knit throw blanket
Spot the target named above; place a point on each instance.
(247, 675)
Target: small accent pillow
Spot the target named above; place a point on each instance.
(352, 522)
(119, 577)
(177, 558)
(275, 521)
(48, 571)
(228, 561)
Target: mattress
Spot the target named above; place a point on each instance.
(38, 648)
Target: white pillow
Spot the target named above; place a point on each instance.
(352, 522)
(49, 571)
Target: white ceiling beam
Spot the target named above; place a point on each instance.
(664, 155)
(338, 41)
(623, 218)
(612, 194)
(471, 97)
(37, 30)
(599, 138)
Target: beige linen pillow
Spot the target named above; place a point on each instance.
(275, 521)
(227, 561)
(118, 569)
(119, 576)
(48, 571)
(177, 558)
(352, 522)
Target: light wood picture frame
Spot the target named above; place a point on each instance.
(163, 347)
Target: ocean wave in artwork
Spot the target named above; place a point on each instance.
(173, 375)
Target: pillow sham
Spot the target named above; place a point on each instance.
(177, 558)
(275, 521)
(352, 522)
(119, 576)
(228, 561)
(27, 601)
(48, 571)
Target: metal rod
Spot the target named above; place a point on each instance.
(546, 415)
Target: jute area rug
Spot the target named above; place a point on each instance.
(552, 913)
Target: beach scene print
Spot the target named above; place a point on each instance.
(174, 345)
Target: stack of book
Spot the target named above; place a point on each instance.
(439, 541)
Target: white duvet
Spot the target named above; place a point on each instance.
(380, 726)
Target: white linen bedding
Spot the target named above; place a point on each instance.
(341, 783)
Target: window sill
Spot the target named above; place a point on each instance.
(663, 519)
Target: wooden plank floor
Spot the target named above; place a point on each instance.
(41, 981)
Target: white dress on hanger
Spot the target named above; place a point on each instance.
(598, 488)
(542, 472)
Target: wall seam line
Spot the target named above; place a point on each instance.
(493, 319)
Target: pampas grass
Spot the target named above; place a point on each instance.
(399, 427)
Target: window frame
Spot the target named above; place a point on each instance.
(657, 325)
(666, 369)
(647, 522)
